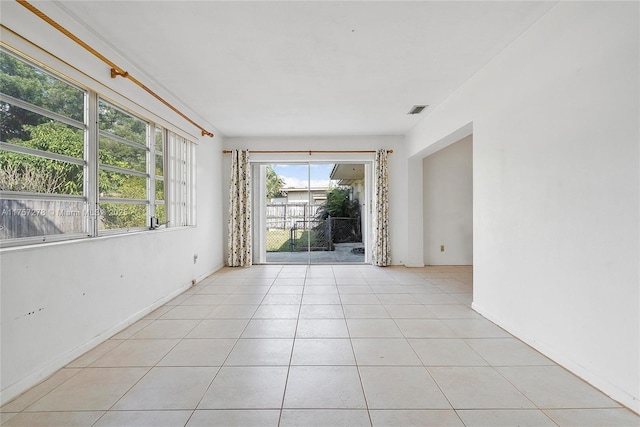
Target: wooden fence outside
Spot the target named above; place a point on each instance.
(286, 216)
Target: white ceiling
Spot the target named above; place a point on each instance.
(283, 68)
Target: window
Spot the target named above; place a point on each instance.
(181, 163)
(42, 156)
(51, 189)
(159, 202)
(125, 167)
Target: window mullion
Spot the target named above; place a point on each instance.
(91, 168)
(151, 172)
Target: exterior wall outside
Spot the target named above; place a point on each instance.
(448, 205)
(555, 122)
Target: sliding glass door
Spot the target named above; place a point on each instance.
(309, 213)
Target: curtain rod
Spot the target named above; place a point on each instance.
(115, 70)
(308, 151)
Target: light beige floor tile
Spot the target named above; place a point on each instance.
(233, 312)
(261, 352)
(321, 311)
(355, 289)
(478, 388)
(292, 273)
(235, 417)
(219, 328)
(436, 298)
(201, 299)
(133, 329)
(144, 419)
(91, 389)
(270, 328)
(276, 311)
(166, 329)
(320, 281)
(475, 328)
(6, 416)
(446, 352)
(384, 352)
(94, 354)
(423, 289)
(237, 299)
(453, 311)
(263, 274)
(217, 290)
(505, 418)
(322, 328)
(319, 270)
(415, 418)
(251, 290)
(430, 305)
(465, 299)
(282, 299)
(507, 352)
(375, 311)
(290, 282)
(250, 387)
(373, 328)
(257, 281)
(188, 312)
(323, 352)
(320, 299)
(321, 290)
(286, 290)
(324, 387)
(178, 300)
(53, 419)
(397, 299)
(350, 280)
(453, 287)
(424, 328)
(554, 387)
(35, 393)
(618, 417)
(325, 417)
(155, 314)
(199, 352)
(401, 388)
(136, 353)
(407, 311)
(359, 299)
(168, 388)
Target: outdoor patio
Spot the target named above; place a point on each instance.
(341, 254)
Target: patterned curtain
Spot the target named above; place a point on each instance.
(239, 244)
(381, 253)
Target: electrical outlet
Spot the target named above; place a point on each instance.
(441, 248)
(195, 258)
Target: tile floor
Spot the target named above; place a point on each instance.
(348, 345)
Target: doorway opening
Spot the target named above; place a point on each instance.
(310, 212)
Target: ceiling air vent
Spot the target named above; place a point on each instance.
(417, 109)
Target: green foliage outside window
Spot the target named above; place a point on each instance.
(274, 184)
(33, 173)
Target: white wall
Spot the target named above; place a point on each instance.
(58, 300)
(397, 172)
(448, 205)
(556, 188)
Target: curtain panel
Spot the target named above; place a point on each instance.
(381, 254)
(239, 241)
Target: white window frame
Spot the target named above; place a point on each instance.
(179, 202)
